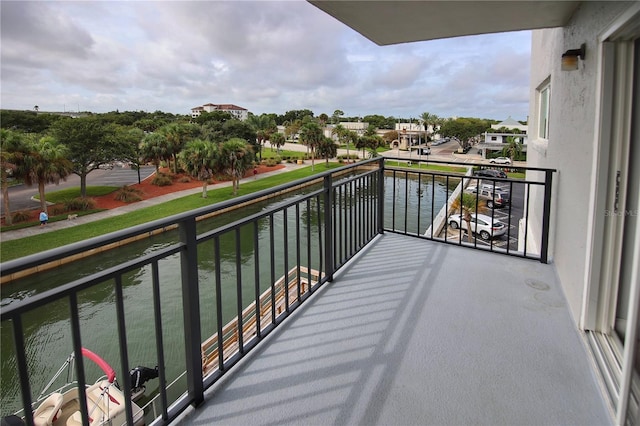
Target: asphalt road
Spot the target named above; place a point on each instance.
(20, 196)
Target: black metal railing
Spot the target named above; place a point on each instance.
(424, 203)
(238, 281)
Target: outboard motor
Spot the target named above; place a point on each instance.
(140, 375)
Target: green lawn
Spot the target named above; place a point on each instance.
(426, 166)
(269, 153)
(71, 193)
(25, 246)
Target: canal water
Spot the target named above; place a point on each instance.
(47, 332)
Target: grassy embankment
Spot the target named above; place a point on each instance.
(25, 246)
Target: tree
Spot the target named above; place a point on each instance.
(91, 142)
(428, 119)
(216, 116)
(467, 204)
(177, 135)
(46, 162)
(277, 140)
(311, 135)
(133, 136)
(264, 126)
(28, 121)
(12, 151)
(369, 142)
(199, 157)
(239, 129)
(154, 148)
(513, 148)
(323, 119)
(335, 117)
(345, 137)
(236, 157)
(327, 149)
(291, 116)
(292, 128)
(463, 129)
(379, 121)
(390, 136)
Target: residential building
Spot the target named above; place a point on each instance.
(584, 122)
(236, 111)
(511, 124)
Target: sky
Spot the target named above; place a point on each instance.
(265, 56)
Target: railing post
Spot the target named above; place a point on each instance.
(328, 227)
(546, 216)
(380, 196)
(191, 310)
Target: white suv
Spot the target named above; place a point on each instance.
(480, 224)
(500, 160)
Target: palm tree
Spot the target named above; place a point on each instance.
(199, 157)
(467, 204)
(277, 140)
(341, 132)
(513, 148)
(264, 127)
(427, 119)
(327, 149)
(12, 151)
(235, 158)
(311, 135)
(46, 162)
(155, 148)
(177, 135)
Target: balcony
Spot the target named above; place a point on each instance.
(416, 332)
(393, 328)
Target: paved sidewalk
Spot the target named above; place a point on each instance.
(54, 226)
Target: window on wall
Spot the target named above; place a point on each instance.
(544, 92)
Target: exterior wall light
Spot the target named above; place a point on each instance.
(570, 58)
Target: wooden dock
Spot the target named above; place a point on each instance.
(293, 287)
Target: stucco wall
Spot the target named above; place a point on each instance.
(569, 148)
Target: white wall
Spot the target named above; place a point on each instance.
(571, 137)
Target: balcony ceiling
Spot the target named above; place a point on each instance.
(392, 22)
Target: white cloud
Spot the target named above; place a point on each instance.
(267, 56)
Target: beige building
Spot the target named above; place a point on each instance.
(236, 111)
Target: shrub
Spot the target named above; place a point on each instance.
(80, 203)
(271, 162)
(184, 179)
(161, 179)
(58, 209)
(21, 216)
(128, 194)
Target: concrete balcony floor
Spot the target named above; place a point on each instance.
(413, 332)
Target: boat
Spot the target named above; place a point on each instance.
(287, 290)
(105, 400)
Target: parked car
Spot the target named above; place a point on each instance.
(490, 173)
(492, 196)
(500, 160)
(480, 224)
(494, 186)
